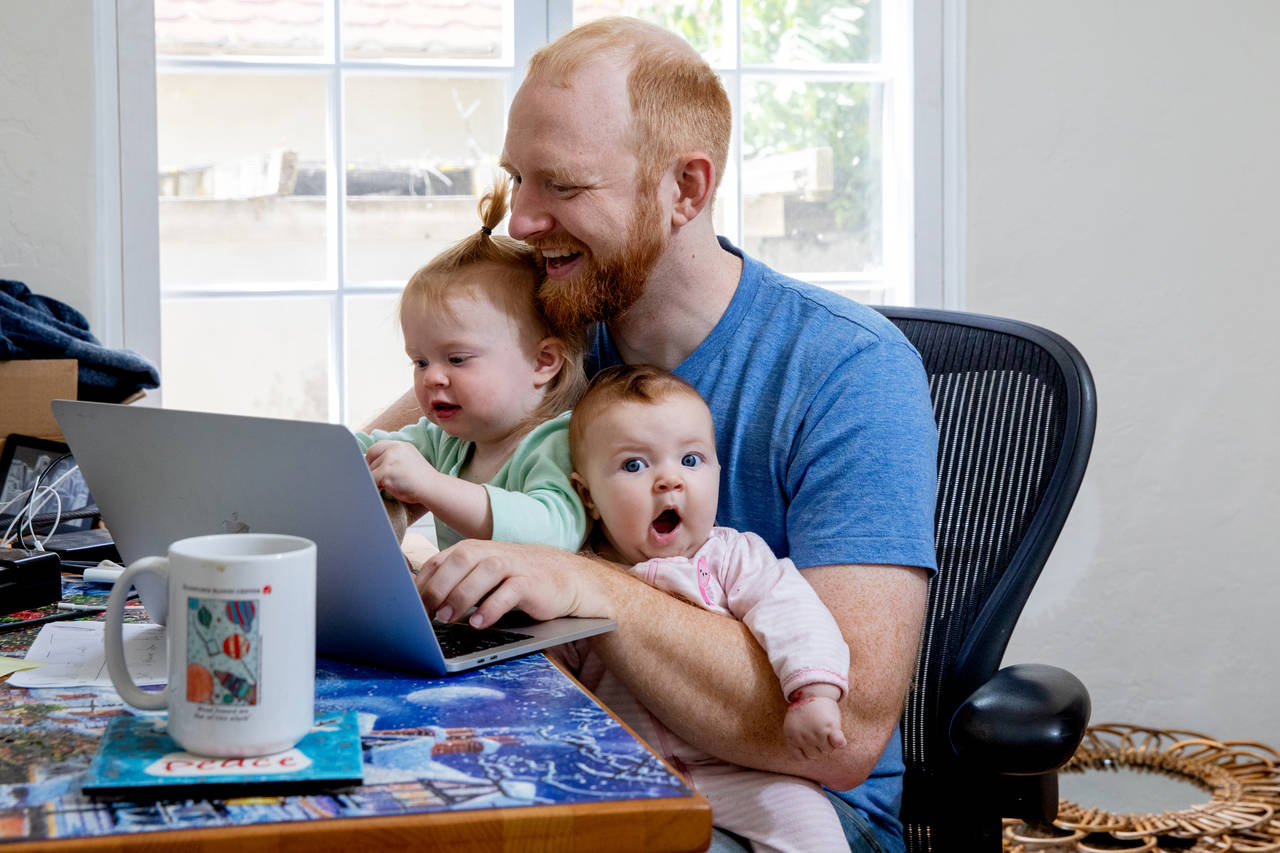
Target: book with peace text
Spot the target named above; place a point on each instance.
(137, 760)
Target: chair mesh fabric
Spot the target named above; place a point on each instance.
(1001, 405)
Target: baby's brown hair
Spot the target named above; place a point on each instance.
(622, 383)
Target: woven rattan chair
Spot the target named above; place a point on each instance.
(1015, 410)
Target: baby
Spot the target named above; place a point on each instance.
(644, 463)
(491, 457)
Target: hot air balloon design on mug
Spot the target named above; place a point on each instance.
(223, 653)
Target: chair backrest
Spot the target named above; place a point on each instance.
(1015, 410)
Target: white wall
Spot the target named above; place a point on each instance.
(1123, 183)
(47, 154)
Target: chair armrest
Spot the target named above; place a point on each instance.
(1026, 719)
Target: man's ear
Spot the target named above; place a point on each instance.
(547, 360)
(584, 494)
(695, 182)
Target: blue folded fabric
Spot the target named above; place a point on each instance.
(35, 326)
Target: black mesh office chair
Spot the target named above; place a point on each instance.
(1015, 410)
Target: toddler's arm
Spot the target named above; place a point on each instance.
(400, 470)
(812, 724)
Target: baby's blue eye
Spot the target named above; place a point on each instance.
(691, 460)
(631, 466)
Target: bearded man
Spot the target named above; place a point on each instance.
(616, 143)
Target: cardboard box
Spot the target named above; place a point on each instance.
(27, 388)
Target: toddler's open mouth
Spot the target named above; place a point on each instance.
(443, 410)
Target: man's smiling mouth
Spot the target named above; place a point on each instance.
(558, 258)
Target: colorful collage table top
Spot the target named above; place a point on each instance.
(519, 733)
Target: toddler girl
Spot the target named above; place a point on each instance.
(490, 459)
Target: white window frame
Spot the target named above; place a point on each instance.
(929, 108)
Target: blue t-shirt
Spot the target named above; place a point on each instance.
(827, 443)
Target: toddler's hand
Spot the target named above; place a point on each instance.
(812, 726)
(401, 471)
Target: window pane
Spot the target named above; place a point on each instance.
(419, 152)
(264, 356)
(423, 29)
(241, 180)
(811, 175)
(378, 371)
(241, 27)
(807, 32)
(701, 24)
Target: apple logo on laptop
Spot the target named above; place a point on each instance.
(234, 525)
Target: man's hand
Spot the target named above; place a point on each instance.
(400, 470)
(812, 724)
(495, 577)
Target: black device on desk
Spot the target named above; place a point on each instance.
(28, 579)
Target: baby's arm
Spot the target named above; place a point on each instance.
(800, 637)
(812, 724)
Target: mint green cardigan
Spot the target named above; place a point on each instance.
(531, 497)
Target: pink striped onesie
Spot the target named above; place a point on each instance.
(736, 574)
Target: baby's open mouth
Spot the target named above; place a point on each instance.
(443, 408)
(667, 521)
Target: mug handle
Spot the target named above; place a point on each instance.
(113, 637)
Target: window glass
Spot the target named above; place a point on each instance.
(241, 180)
(267, 356)
(378, 371)
(808, 32)
(419, 153)
(241, 27)
(423, 29)
(811, 175)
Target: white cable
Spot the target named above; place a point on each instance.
(29, 510)
(54, 485)
(57, 518)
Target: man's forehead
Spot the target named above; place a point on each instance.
(593, 100)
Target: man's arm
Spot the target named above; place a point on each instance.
(708, 680)
(701, 673)
(404, 410)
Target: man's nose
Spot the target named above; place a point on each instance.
(529, 217)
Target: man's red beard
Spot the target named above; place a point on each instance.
(604, 289)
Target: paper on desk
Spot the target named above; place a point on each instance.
(8, 665)
(74, 656)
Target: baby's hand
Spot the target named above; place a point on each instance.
(812, 725)
(401, 471)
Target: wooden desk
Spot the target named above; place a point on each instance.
(513, 757)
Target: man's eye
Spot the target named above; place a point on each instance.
(691, 460)
(631, 466)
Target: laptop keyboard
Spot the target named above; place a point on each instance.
(457, 638)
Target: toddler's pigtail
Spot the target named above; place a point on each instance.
(493, 205)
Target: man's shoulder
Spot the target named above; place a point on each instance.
(788, 307)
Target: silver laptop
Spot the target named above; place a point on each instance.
(159, 475)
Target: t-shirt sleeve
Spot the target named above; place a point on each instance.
(863, 469)
(536, 503)
(423, 435)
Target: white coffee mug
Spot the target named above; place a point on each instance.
(241, 642)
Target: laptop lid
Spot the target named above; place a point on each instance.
(159, 475)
